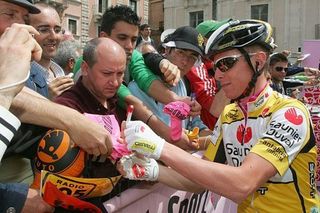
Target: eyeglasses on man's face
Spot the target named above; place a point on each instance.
(188, 55)
(45, 30)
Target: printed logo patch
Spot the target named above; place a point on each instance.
(147, 146)
(139, 128)
(265, 112)
(138, 171)
(259, 102)
(292, 116)
(232, 114)
(244, 135)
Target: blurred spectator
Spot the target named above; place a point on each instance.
(181, 49)
(67, 54)
(48, 24)
(202, 82)
(145, 33)
(67, 35)
(278, 67)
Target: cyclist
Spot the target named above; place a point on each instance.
(265, 138)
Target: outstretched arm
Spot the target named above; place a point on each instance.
(175, 180)
(90, 136)
(220, 178)
(217, 177)
(148, 81)
(142, 113)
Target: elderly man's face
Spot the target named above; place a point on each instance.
(10, 14)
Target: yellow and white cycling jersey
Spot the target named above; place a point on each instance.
(278, 129)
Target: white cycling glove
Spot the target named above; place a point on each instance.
(139, 168)
(142, 139)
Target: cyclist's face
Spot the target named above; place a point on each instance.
(236, 79)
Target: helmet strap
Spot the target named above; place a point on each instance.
(256, 74)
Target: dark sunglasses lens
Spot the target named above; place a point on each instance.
(226, 63)
(279, 69)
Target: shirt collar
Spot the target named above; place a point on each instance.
(258, 100)
(56, 69)
(93, 100)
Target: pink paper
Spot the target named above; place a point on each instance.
(176, 129)
(177, 111)
(110, 123)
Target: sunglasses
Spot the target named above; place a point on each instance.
(279, 69)
(226, 63)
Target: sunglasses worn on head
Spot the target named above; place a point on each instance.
(226, 63)
(279, 69)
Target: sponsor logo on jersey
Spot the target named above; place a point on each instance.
(281, 132)
(275, 149)
(262, 190)
(265, 112)
(244, 134)
(237, 153)
(259, 102)
(312, 179)
(232, 114)
(292, 116)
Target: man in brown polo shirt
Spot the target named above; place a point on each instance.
(95, 92)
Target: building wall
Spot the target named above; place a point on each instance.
(156, 19)
(73, 12)
(293, 20)
(87, 16)
(176, 12)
